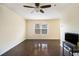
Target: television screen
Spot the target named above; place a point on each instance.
(71, 37)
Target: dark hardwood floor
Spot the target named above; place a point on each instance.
(36, 48)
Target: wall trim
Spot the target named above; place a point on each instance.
(43, 39)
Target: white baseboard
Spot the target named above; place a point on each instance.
(10, 46)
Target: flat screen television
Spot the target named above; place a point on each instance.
(71, 37)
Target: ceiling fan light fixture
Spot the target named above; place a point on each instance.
(39, 8)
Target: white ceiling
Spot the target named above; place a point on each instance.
(50, 13)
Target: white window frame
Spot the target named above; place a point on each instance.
(41, 28)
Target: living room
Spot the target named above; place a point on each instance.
(19, 24)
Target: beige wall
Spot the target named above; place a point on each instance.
(70, 21)
(53, 29)
(12, 29)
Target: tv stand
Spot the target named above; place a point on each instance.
(69, 49)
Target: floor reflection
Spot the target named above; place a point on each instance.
(41, 47)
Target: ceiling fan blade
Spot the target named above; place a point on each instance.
(41, 11)
(29, 6)
(45, 6)
(37, 4)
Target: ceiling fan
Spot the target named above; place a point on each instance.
(38, 7)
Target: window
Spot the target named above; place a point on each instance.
(44, 29)
(37, 28)
(41, 29)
